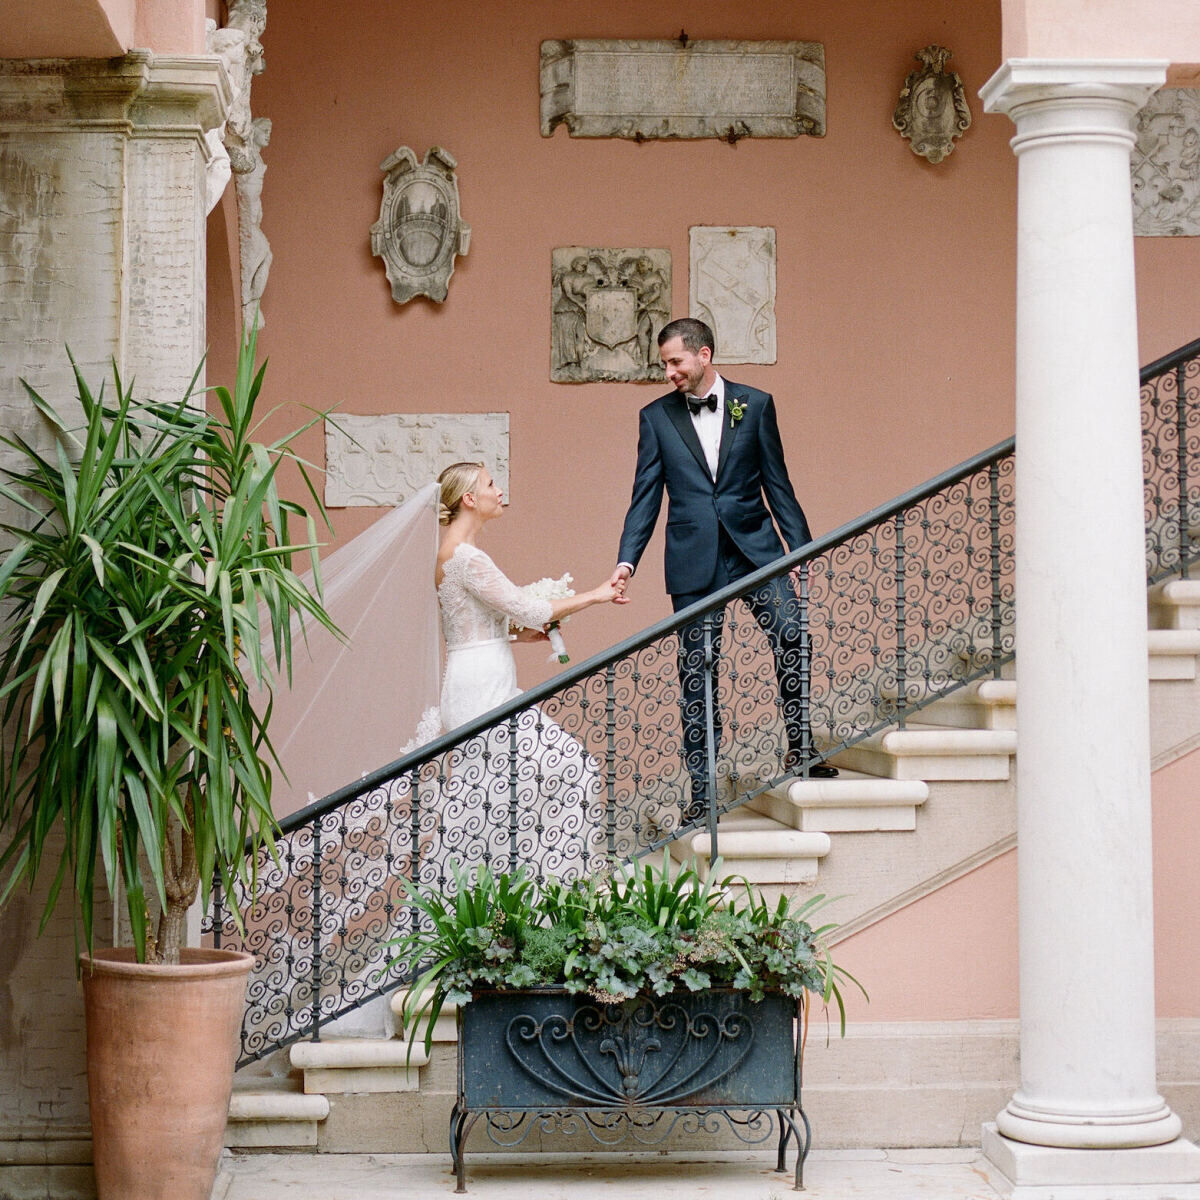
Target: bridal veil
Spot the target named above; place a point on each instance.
(353, 703)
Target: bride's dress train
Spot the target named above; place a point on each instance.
(525, 791)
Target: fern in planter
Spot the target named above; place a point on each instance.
(155, 538)
(640, 930)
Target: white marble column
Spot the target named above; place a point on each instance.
(1083, 768)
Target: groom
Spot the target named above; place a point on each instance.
(714, 445)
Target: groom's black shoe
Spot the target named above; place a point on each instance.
(822, 771)
(793, 759)
(695, 810)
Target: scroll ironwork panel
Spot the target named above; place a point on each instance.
(854, 633)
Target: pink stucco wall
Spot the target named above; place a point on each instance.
(171, 26)
(102, 28)
(912, 963)
(895, 316)
(1168, 29)
(896, 278)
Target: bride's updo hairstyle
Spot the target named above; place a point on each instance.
(456, 480)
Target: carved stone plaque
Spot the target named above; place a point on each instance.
(683, 89)
(382, 460)
(932, 110)
(731, 286)
(607, 306)
(1166, 165)
(419, 230)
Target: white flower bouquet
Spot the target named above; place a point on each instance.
(552, 589)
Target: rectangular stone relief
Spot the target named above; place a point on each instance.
(607, 306)
(731, 286)
(672, 89)
(1165, 167)
(382, 460)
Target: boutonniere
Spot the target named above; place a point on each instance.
(737, 410)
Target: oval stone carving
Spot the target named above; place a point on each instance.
(419, 232)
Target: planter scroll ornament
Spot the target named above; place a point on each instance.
(547, 1060)
(420, 230)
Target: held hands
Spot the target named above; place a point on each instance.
(613, 591)
(619, 581)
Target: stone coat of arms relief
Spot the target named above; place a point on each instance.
(607, 308)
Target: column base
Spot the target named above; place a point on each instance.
(1150, 1126)
(1028, 1172)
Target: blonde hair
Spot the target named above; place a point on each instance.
(456, 480)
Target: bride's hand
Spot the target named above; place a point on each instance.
(609, 593)
(530, 635)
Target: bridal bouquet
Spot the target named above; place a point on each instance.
(552, 589)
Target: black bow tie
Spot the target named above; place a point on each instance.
(709, 402)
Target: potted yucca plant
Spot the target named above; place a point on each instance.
(149, 597)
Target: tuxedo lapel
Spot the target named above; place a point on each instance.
(677, 410)
(730, 429)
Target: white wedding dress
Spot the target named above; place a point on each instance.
(478, 603)
(525, 791)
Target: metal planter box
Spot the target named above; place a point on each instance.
(547, 1059)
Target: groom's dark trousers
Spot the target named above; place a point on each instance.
(717, 531)
(776, 608)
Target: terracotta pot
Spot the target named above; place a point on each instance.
(161, 1044)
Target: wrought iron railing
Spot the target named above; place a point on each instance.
(1171, 462)
(888, 614)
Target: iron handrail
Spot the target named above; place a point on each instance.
(638, 641)
(897, 608)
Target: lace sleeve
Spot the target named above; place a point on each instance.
(487, 583)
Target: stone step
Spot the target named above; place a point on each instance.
(445, 1028)
(337, 1065)
(982, 704)
(852, 803)
(1174, 604)
(756, 847)
(930, 752)
(273, 1113)
(1173, 653)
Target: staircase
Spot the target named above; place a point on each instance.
(913, 697)
(878, 837)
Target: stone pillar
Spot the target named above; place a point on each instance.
(102, 220)
(102, 248)
(1083, 768)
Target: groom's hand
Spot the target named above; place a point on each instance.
(620, 578)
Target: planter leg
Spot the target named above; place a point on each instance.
(787, 1127)
(805, 1146)
(461, 1124)
(456, 1120)
(785, 1135)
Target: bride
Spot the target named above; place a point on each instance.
(478, 603)
(526, 790)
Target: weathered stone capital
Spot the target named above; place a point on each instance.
(1078, 99)
(140, 92)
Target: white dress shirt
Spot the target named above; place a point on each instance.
(708, 424)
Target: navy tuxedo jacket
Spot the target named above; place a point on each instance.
(750, 467)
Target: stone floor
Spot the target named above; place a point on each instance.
(829, 1175)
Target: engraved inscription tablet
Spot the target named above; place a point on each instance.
(1166, 165)
(607, 306)
(680, 89)
(731, 287)
(384, 459)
